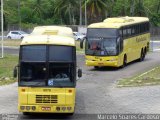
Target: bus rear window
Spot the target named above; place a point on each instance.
(33, 53)
(61, 53)
(43, 53)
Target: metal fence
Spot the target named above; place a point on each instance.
(155, 31)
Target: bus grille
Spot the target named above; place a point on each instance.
(46, 99)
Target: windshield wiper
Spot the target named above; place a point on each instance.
(106, 52)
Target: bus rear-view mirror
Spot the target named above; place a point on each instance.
(15, 72)
(79, 73)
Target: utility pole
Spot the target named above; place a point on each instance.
(85, 13)
(2, 47)
(19, 14)
(80, 12)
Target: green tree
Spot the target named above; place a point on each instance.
(67, 9)
(96, 9)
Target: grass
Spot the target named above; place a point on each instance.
(6, 69)
(151, 77)
(14, 43)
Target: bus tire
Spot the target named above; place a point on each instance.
(142, 56)
(124, 61)
(145, 52)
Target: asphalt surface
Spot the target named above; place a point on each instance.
(97, 92)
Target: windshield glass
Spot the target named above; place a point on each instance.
(101, 46)
(60, 74)
(33, 74)
(54, 68)
(102, 32)
(61, 53)
(33, 53)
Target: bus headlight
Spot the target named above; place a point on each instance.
(22, 107)
(63, 108)
(58, 108)
(27, 107)
(33, 108)
(69, 108)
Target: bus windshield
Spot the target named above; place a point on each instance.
(51, 66)
(102, 32)
(101, 46)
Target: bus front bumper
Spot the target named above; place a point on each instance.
(46, 108)
(102, 63)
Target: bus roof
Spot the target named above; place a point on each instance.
(48, 39)
(57, 35)
(118, 22)
(52, 30)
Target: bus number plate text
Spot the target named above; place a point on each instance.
(46, 108)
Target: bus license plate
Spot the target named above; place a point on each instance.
(46, 108)
(100, 63)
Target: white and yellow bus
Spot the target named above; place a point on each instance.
(117, 41)
(47, 71)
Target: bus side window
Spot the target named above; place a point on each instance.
(133, 30)
(137, 29)
(129, 31)
(121, 32)
(147, 26)
(124, 33)
(121, 44)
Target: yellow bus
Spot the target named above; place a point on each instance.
(47, 71)
(117, 41)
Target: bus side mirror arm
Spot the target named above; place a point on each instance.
(79, 73)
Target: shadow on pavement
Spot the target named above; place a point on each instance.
(44, 116)
(117, 68)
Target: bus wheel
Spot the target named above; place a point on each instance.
(142, 56)
(144, 53)
(96, 67)
(124, 61)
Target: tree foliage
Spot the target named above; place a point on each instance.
(49, 12)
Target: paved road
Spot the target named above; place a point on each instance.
(155, 45)
(9, 50)
(97, 93)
